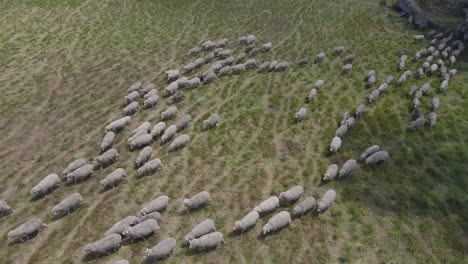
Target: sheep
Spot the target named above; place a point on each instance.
(145, 126)
(250, 39)
(335, 144)
(369, 151)
(377, 158)
(299, 116)
(429, 58)
(254, 52)
(302, 62)
(182, 82)
(418, 37)
(291, 195)
(211, 122)
(172, 88)
(434, 104)
(404, 57)
(194, 51)
(226, 70)
(402, 66)
(331, 172)
(452, 72)
(154, 215)
(341, 131)
(303, 207)
(418, 123)
(338, 50)
(440, 63)
(143, 156)
(443, 86)
(360, 109)
(407, 74)
(162, 250)
(217, 66)
(445, 77)
(182, 123)
(134, 87)
(205, 227)
(149, 168)
(412, 90)
(401, 80)
(243, 40)
(141, 230)
(273, 65)
(198, 200)
(347, 168)
(179, 142)
(240, 57)
(350, 58)
(327, 200)
(151, 101)
(229, 61)
(282, 66)
(418, 94)
(210, 77)
(276, 222)
(434, 68)
(267, 46)
(224, 54)
(199, 62)
(383, 87)
(263, 67)
(426, 65)
(320, 57)
(206, 242)
(81, 173)
(157, 205)
(222, 42)
(432, 119)
(444, 54)
(172, 75)
(136, 135)
(169, 113)
(238, 69)
(5, 209)
(311, 95)
(417, 113)
(169, 133)
(107, 158)
(452, 61)
(346, 115)
(347, 68)
(130, 109)
(67, 205)
(425, 88)
(25, 231)
(48, 184)
(132, 97)
(120, 226)
(107, 141)
(105, 245)
(415, 102)
(194, 82)
(417, 56)
(247, 222)
(420, 73)
(250, 64)
(113, 179)
(267, 206)
(74, 165)
(373, 95)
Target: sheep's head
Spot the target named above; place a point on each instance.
(126, 232)
(88, 249)
(187, 203)
(266, 229)
(238, 225)
(194, 243)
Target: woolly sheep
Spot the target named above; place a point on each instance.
(420, 73)
(169, 133)
(331, 172)
(402, 66)
(443, 86)
(347, 168)
(299, 116)
(217, 66)
(335, 144)
(229, 61)
(425, 88)
(142, 230)
(74, 165)
(224, 54)
(154, 215)
(292, 195)
(194, 51)
(412, 90)
(172, 75)
(114, 178)
(350, 122)
(169, 113)
(117, 125)
(407, 74)
(452, 72)
(369, 151)
(302, 62)
(67, 205)
(434, 68)
(401, 80)
(267, 206)
(132, 97)
(104, 246)
(226, 70)
(383, 87)
(360, 109)
(435, 104)
(417, 113)
(327, 200)
(5, 209)
(452, 61)
(403, 57)
(238, 68)
(157, 205)
(263, 67)
(130, 109)
(346, 69)
(81, 173)
(426, 65)
(377, 157)
(341, 131)
(151, 101)
(198, 200)
(171, 88)
(318, 85)
(373, 95)
(250, 39)
(107, 141)
(247, 222)
(49, 183)
(276, 222)
(432, 119)
(210, 77)
(136, 135)
(206, 242)
(429, 58)
(211, 122)
(194, 82)
(107, 158)
(134, 87)
(243, 40)
(150, 167)
(418, 123)
(311, 95)
(305, 206)
(120, 226)
(350, 58)
(161, 250)
(143, 156)
(25, 230)
(240, 57)
(418, 94)
(179, 142)
(282, 66)
(205, 227)
(320, 57)
(250, 64)
(273, 65)
(418, 37)
(145, 126)
(267, 46)
(199, 62)
(415, 102)
(222, 42)
(183, 122)
(338, 50)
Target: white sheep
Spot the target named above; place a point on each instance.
(247, 222)
(303, 207)
(142, 230)
(169, 113)
(157, 205)
(25, 230)
(377, 158)
(292, 195)
(107, 141)
(207, 242)
(5, 209)
(299, 116)
(81, 173)
(150, 167)
(347, 168)
(327, 199)
(211, 122)
(369, 151)
(134, 87)
(268, 205)
(67, 205)
(107, 158)
(48, 184)
(114, 178)
(335, 144)
(161, 250)
(143, 156)
(276, 222)
(331, 173)
(74, 165)
(183, 122)
(169, 133)
(205, 227)
(130, 109)
(120, 226)
(117, 125)
(104, 246)
(179, 142)
(198, 200)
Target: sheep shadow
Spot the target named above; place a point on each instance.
(262, 236)
(94, 257)
(24, 240)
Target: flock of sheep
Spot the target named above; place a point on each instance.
(444, 48)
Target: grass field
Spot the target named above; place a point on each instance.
(65, 67)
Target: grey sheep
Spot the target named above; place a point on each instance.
(182, 82)
(25, 230)
(426, 65)
(263, 67)
(179, 142)
(104, 246)
(134, 87)
(238, 69)
(198, 200)
(401, 80)
(224, 54)
(374, 95)
(130, 109)
(222, 42)
(452, 61)
(432, 119)
(338, 50)
(243, 40)
(311, 95)
(429, 58)
(341, 131)
(407, 74)
(292, 195)
(208, 45)
(383, 87)
(143, 156)
(267, 46)
(205, 227)
(335, 144)
(302, 62)
(434, 68)
(5, 209)
(114, 178)
(194, 82)
(199, 62)
(404, 57)
(267, 206)
(141, 230)
(132, 97)
(299, 116)
(190, 67)
(137, 134)
(210, 77)
(150, 167)
(347, 168)
(425, 88)
(206, 242)
(250, 63)
(443, 86)
(305, 206)
(151, 101)
(240, 57)
(254, 52)
(418, 37)
(226, 70)
(158, 129)
(107, 158)
(150, 93)
(350, 122)
(171, 88)
(120, 226)
(162, 250)
(107, 141)
(359, 110)
(420, 73)
(194, 51)
(318, 85)
(402, 66)
(117, 125)
(369, 151)
(74, 165)
(435, 104)
(247, 222)
(169, 133)
(282, 66)
(149, 87)
(67, 205)
(154, 215)
(49, 183)
(331, 173)
(371, 81)
(276, 222)
(350, 58)
(418, 123)
(176, 98)
(157, 205)
(273, 65)
(172, 75)
(250, 39)
(229, 61)
(412, 90)
(320, 57)
(347, 68)
(211, 122)
(169, 113)
(444, 54)
(327, 200)
(217, 66)
(183, 122)
(145, 126)
(81, 173)
(377, 158)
